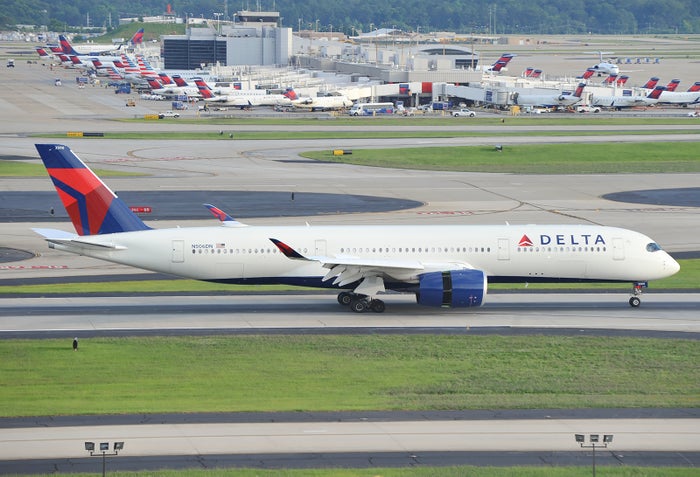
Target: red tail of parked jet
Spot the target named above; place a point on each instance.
(651, 83)
(137, 38)
(695, 87)
(501, 62)
(610, 79)
(622, 80)
(673, 84)
(588, 73)
(164, 78)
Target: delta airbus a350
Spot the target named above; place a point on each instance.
(443, 265)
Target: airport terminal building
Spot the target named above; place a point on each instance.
(253, 39)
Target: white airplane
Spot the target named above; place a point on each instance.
(605, 67)
(322, 103)
(170, 90)
(244, 98)
(546, 100)
(444, 266)
(627, 101)
(95, 50)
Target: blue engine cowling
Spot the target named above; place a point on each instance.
(456, 288)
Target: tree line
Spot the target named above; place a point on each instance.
(486, 17)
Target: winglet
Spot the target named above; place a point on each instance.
(223, 216)
(288, 251)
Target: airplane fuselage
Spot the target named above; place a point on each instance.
(504, 253)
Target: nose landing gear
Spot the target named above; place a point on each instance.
(637, 288)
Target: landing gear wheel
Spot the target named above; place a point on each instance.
(358, 305)
(377, 306)
(635, 302)
(344, 298)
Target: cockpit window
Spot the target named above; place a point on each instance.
(653, 247)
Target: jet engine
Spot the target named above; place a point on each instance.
(455, 288)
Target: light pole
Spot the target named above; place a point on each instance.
(594, 440)
(104, 451)
(218, 22)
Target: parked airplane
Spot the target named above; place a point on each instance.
(245, 98)
(95, 50)
(444, 266)
(628, 100)
(172, 90)
(548, 100)
(322, 103)
(605, 67)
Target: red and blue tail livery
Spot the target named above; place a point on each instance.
(91, 205)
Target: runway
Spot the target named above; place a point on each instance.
(48, 444)
(306, 312)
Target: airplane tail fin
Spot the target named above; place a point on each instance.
(204, 89)
(651, 84)
(528, 71)
(588, 73)
(610, 79)
(579, 90)
(656, 92)
(622, 80)
(673, 85)
(179, 81)
(42, 52)
(65, 44)
(91, 205)
(164, 78)
(154, 84)
(695, 87)
(290, 94)
(137, 38)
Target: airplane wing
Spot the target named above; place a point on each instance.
(74, 241)
(348, 269)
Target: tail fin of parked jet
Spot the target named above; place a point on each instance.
(137, 38)
(651, 83)
(656, 92)
(673, 84)
(579, 90)
(588, 73)
(695, 87)
(290, 94)
(502, 62)
(66, 46)
(91, 205)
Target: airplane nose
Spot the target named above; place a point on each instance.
(672, 266)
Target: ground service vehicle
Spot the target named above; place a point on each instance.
(371, 109)
(464, 112)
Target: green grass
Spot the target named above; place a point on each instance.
(657, 157)
(419, 471)
(336, 373)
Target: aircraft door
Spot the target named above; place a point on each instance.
(618, 249)
(178, 255)
(320, 248)
(503, 249)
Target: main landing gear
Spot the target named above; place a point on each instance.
(360, 303)
(637, 288)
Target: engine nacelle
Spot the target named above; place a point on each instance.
(455, 288)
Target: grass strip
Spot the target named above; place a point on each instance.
(603, 158)
(344, 372)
